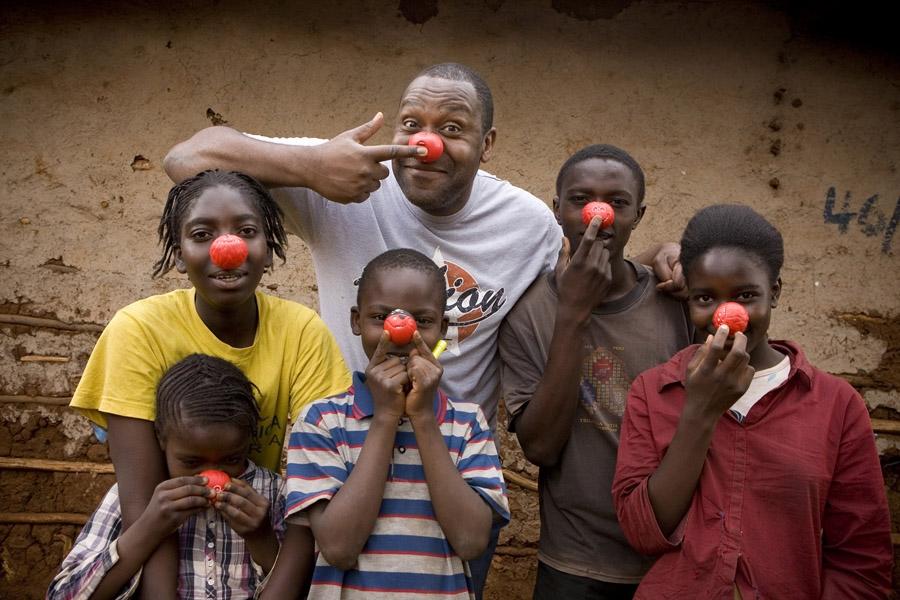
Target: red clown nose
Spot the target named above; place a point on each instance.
(228, 251)
(215, 480)
(732, 314)
(598, 209)
(431, 141)
(401, 326)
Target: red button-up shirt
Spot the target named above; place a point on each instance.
(790, 503)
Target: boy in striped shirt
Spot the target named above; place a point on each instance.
(399, 483)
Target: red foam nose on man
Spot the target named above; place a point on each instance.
(431, 141)
(598, 209)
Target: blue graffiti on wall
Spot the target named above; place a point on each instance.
(870, 219)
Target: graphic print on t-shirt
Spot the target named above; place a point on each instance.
(468, 305)
(604, 388)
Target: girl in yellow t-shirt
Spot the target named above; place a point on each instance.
(281, 346)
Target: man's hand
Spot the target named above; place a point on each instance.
(244, 509)
(385, 378)
(425, 375)
(174, 501)
(583, 279)
(346, 171)
(717, 379)
(667, 268)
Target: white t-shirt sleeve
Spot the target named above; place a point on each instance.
(301, 206)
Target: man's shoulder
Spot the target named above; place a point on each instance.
(501, 190)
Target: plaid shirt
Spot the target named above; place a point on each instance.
(214, 561)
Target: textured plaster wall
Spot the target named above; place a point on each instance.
(718, 101)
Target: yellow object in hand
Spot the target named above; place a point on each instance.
(439, 348)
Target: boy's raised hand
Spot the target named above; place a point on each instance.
(425, 375)
(244, 509)
(716, 379)
(583, 279)
(385, 378)
(346, 171)
(174, 501)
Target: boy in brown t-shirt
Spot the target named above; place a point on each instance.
(570, 350)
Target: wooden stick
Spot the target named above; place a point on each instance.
(44, 518)
(42, 464)
(44, 358)
(49, 323)
(886, 426)
(55, 400)
(520, 480)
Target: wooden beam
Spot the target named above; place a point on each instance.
(520, 480)
(44, 358)
(886, 426)
(24, 399)
(65, 466)
(49, 323)
(44, 518)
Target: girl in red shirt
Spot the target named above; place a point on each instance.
(749, 471)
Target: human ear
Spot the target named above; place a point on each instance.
(776, 292)
(179, 261)
(556, 210)
(354, 320)
(640, 214)
(487, 145)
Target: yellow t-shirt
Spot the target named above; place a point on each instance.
(293, 360)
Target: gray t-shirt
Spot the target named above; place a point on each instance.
(580, 534)
(492, 250)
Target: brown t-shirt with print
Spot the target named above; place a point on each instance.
(579, 531)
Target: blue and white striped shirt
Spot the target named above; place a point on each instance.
(407, 555)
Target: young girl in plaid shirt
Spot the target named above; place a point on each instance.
(206, 418)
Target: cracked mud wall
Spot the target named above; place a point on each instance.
(733, 101)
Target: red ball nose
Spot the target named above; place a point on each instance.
(228, 251)
(732, 314)
(215, 480)
(401, 326)
(598, 209)
(432, 142)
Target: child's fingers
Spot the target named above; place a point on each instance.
(180, 482)
(243, 489)
(381, 349)
(422, 349)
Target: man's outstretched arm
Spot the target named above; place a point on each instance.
(341, 169)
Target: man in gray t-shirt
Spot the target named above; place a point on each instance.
(570, 350)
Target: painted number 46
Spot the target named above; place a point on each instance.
(871, 221)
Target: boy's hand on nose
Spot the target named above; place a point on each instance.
(583, 279)
(385, 378)
(245, 509)
(718, 378)
(348, 171)
(425, 375)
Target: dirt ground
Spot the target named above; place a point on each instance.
(740, 101)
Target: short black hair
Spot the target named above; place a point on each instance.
(460, 72)
(604, 152)
(732, 226)
(205, 390)
(403, 258)
(182, 196)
